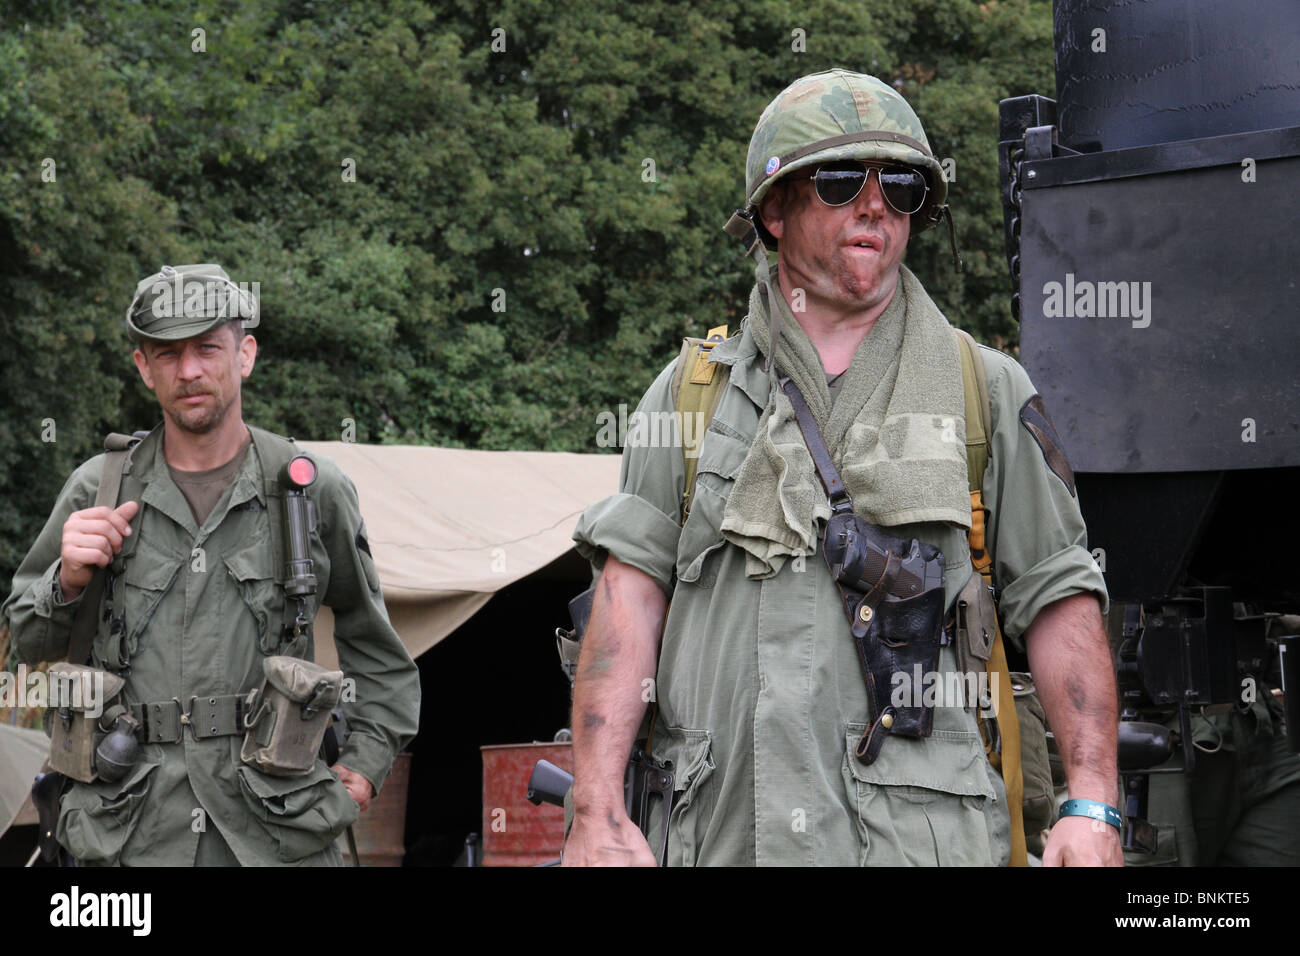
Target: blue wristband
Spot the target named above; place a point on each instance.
(1094, 809)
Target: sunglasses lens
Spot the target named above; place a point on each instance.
(904, 188)
(837, 185)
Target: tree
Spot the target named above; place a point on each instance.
(472, 225)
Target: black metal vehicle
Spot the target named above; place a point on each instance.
(1151, 235)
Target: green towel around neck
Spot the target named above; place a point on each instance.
(896, 431)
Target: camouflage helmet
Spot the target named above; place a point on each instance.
(838, 115)
(181, 302)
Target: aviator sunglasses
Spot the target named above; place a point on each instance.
(840, 182)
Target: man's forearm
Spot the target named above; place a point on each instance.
(619, 655)
(1070, 661)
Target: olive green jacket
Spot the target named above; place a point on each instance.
(761, 696)
(202, 610)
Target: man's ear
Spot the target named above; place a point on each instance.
(142, 366)
(247, 355)
(772, 210)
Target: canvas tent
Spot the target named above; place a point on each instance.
(449, 527)
(22, 754)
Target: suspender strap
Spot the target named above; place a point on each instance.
(275, 452)
(697, 384)
(85, 622)
(839, 495)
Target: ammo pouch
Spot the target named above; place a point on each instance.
(288, 716)
(894, 598)
(975, 628)
(78, 698)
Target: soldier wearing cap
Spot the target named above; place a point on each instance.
(193, 604)
(761, 701)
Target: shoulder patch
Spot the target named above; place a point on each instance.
(1033, 415)
(366, 558)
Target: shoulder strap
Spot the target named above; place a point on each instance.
(980, 424)
(979, 429)
(697, 393)
(274, 452)
(116, 449)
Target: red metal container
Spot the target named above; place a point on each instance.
(516, 833)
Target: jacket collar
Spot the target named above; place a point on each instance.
(148, 465)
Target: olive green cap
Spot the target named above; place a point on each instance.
(838, 115)
(180, 302)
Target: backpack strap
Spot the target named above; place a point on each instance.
(697, 393)
(979, 431)
(979, 426)
(117, 448)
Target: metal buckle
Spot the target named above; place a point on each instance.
(185, 719)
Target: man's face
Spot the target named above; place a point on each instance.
(845, 258)
(197, 380)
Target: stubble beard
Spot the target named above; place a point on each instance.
(199, 421)
(842, 287)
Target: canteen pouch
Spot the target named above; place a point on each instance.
(894, 598)
(1035, 762)
(288, 715)
(78, 697)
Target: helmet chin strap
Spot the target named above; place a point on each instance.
(957, 264)
(741, 226)
(763, 273)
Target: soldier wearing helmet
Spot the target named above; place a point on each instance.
(843, 400)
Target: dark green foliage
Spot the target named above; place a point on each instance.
(476, 171)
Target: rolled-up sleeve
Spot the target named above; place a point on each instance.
(1037, 533)
(641, 525)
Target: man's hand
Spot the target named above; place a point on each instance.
(359, 788)
(91, 538)
(1082, 841)
(609, 839)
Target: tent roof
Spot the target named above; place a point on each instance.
(449, 527)
(22, 754)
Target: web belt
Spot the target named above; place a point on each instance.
(164, 721)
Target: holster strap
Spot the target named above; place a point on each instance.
(869, 746)
(821, 455)
(164, 721)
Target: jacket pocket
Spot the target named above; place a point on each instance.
(923, 802)
(96, 819)
(250, 569)
(145, 580)
(302, 814)
(690, 755)
(721, 455)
